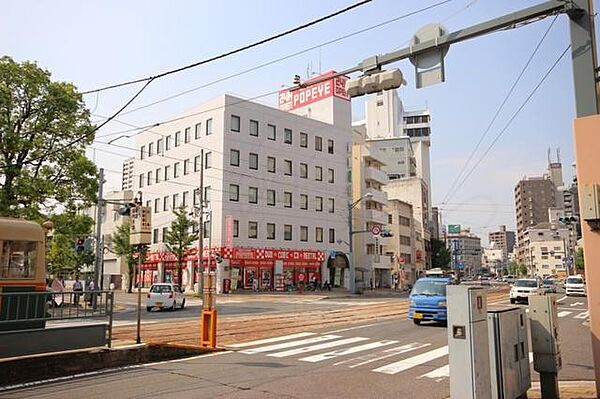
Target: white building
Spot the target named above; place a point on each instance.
(465, 248)
(548, 247)
(276, 184)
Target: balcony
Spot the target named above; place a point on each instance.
(377, 175)
(378, 196)
(375, 216)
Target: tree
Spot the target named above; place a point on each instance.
(120, 246)
(179, 238)
(522, 269)
(62, 257)
(579, 261)
(440, 255)
(44, 129)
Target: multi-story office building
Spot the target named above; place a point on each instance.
(465, 248)
(548, 247)
(503, 240)
(275, 184)
(127, 183)
(493, 259)
(402, 246)
(533, 197)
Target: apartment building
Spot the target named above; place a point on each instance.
(466, 251)
(548, 248)
(402, 246)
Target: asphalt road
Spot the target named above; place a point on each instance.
(392, 358)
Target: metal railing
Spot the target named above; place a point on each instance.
(20, 310)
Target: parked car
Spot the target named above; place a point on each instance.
(510, 279)
(574, 285)
(523, 289)
(548, 286)
(165, 296)
(484, 280)
(428, 300)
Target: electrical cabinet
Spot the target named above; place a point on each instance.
(468, 342)
(509, 352)
(543, 319)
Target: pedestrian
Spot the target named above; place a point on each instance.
(91, 289)
(77, 289)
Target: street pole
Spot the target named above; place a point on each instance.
(209, 241)
(200, 274)
(351, 271)
(138, 338)
(99, 207)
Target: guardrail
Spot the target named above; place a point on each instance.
(26, 310)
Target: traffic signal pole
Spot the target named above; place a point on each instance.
(99, 247)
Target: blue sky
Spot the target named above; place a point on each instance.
(96, 43)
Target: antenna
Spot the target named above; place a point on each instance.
(320, 72)
(549, 161)
(558, 154)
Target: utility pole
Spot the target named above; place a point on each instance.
(99, 255)
(200, 273)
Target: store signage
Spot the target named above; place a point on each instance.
(300, 97)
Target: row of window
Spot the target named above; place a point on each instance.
(174, 171)
(170, 202)
(288, 134)
(234, 160)
(402, 220)
(271, 198)
(175, 139)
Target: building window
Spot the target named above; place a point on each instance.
(197, 162)
(253, 161)
(186, 166)
(165, 203)
(390, 219)
(318, 173)
(287, 232)
(168, 143)
(304, 171)
(234, 192)
(176, 170)
(303, 140)
(272, 132)
(287, 167)
(187, 133)
(198, 131)
(331, 205)
(252, 230)
(271, 164)
(330, 175)
(206, 229)
(177, 139)
(253, 128)
(270, 231)
(159, 146)
(184, 198)
(330, 146)
(142, 178)
(253, 195)
(206, 197)
(236, 228)
(156, 204)
(155, 236)
(150, 149)
(319, 204)
(196, 197)
(149, 177)
(404, 221)
(332, 236)
(303, 233)
(271, 197)
(318, 143)
(303, 201)
(318, 234)
(165, 231)
(234, 158)
(208, 160)
(209, 126)
(287, 199)
(175, 201)
(235, 123)
(143, 152)
(287, 136)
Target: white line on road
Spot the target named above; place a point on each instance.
(582, 315)
(284, 345)
(344, 352)
(438, 374)
(576, 304)
(564, 313)
(326, 345)
(271, 340)
(352, 328)
(384, 354)
(561, 299)
(403, 365)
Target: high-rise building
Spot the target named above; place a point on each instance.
(533, 197)
(436, 222)
(465, 248)
(127, 183)
(503, 240)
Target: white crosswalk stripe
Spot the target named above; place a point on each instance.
(564, 313)
(344, 352)
(326, 345)
(582, 315)
(405, 364)
(438, 374)
(385, 354)
(271, 348)
(271, 340)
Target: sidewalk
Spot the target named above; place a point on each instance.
(568, 390)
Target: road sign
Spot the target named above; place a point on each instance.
(454, 228)
(375, 230)
(460, 266)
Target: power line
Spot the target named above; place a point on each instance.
(238, 50)
(510, 121)
(500, 108)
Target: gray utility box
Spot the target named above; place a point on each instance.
(509, 352)
(544, 333)
(468, 342)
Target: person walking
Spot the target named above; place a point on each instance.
(77, 290)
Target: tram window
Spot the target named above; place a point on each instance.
(17, 259)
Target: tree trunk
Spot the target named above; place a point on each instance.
(179, 272)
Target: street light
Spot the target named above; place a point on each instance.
(352, 282)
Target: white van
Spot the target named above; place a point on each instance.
(574, 285)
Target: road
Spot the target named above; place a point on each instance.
(371, 359)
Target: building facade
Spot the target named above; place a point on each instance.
(548, 249)
(465, 248)
(503, 240)
(402, 246)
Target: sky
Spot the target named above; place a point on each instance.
(93, 44)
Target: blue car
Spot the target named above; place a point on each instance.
(428, 300)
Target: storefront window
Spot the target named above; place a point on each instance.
(17, 259)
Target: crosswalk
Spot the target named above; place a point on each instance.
(387, 357)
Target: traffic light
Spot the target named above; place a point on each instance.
(374, 82)
(126, 209)
(385, 234)
(297, 81)
(80, 245)
(567, 220)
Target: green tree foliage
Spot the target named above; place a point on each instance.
(180, 237)
(522, 269)
(38, 117)
(579, 261)
(121, 247)
(440, 254)
(63, 259)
